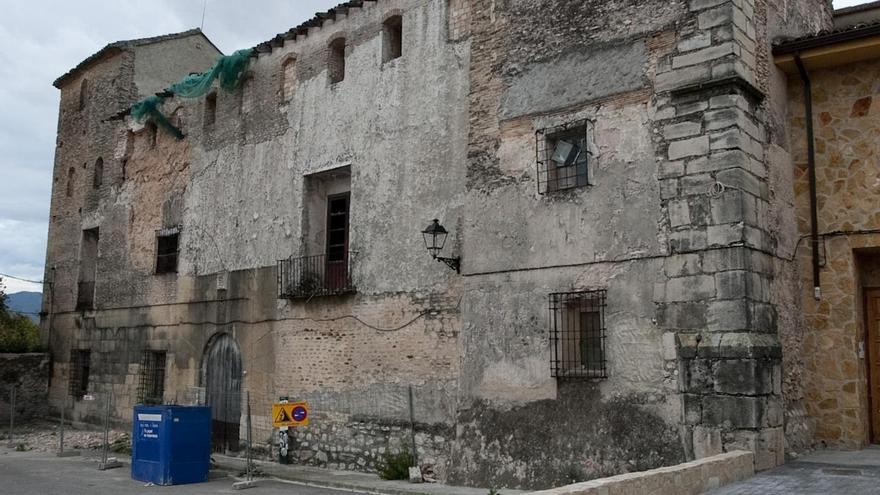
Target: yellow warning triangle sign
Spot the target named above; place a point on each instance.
(282, 416)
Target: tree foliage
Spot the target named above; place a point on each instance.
(17, 332)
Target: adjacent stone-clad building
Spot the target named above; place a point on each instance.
(834, 356)
(626, 281)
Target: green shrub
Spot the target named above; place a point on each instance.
(18, 334)
(396, 466)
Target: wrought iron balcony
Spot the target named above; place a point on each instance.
(315, 276)
(85, 296)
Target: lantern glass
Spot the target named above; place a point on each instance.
(435, 237)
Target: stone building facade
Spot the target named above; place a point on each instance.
(616, 181)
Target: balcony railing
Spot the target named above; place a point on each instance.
(85, 296)
(314, 276)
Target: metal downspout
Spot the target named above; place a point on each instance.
(811, 166)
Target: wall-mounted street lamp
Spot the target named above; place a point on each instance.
(435, 239)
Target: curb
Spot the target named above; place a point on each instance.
(271, 470)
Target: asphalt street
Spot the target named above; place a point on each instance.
(30, 473)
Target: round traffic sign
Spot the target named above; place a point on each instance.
(300, 413)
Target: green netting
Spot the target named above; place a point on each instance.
(229, 70)
(149, 107)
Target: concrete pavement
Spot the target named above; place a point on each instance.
(820, 473)
(33, 473)
(353, 480)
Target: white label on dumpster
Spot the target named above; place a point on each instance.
(149, 417)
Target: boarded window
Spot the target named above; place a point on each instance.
(336, 61)
(247, 95)
(392, 38)
(167, 250)
(458, 19)
(151, 385)
(288, 79)
(210, 109)
(80, 368)
(98, 177)
(577, 334)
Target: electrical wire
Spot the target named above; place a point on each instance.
(13, 277)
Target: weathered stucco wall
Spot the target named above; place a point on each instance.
(845, 107)
(237, 188)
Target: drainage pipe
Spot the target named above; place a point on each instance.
(811, 166)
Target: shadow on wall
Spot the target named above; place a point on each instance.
(576, 438)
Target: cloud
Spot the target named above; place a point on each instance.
(45, 40)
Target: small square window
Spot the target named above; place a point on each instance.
(167, 250)
(564, 156)
(577, 334)
(151, 386)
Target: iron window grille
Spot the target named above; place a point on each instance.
(564, 156)
(577, 332)
(151, 386)
(80, 368)
(167, 249)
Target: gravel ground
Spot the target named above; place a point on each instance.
(43, 436)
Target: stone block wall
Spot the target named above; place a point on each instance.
(362, 443)
(29, 374)
(714, 191)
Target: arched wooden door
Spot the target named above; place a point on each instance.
(221, 377)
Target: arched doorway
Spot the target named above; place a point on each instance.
(221, 376)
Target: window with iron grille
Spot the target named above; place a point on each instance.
(167, 249)
(564, 156)
(80, 366)
(151, 386)
(577, 334)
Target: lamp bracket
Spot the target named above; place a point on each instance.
(454, 263)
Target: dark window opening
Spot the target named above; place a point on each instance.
(88, 268)
(71, 176)
(151, 386)
(337, 240)
(152, 134)
(124, 166)
(564, 157)
(210, 109)
(80, 368)
(392, 47)
(336, 62)
(167, 250)
(98, 178)
(577, 334)
(83, 93)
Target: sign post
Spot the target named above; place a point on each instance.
(285, 415)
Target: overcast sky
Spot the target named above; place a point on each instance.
(43, 39)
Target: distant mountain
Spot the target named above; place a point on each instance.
(25, 302)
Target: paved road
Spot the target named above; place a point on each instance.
(28, 473)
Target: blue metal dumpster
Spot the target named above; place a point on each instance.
(171, 445)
